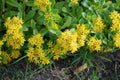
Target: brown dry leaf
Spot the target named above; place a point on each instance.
(80, 69)
(60, 74)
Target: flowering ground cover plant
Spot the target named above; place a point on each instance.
(46, 30)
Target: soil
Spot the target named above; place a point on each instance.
(106, 67)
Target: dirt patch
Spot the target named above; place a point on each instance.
(106, 67)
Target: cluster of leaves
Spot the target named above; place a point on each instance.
(52, 29)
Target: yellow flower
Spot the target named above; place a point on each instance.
(13, 24)
(45, 61)
(30, 54)
(5, 57)
(74, 1)
(50, 44)
(94, 44)
(33, 55)
(98, 25)
(68, 41)
(1, 42)
(57, 52)
(36, 40)
(15, 54)
(16, 40)
(82, 32)
(106, 50)
(42, 4)
(56, 26)
(115, 25)
(116, 39)
(115, 16)
(37, 56)
(56, 57)
(48, 16)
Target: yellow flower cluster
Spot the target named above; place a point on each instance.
(116, 39)
(74, 1)
(35, 53)
(13, 25)
(82, 32)
(42, 4)
(55, 49)
(48, 16)
(98, 25)
(36, 40)
(14, 37)
(68, 41)
(56, 26)
(15, 54)
(16, 40)
(5, 57)
(37, 56)
(115, 16)
(94, 44)
(1, 43)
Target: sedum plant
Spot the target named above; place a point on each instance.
(47, 30)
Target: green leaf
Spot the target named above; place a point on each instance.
(10, 13)
(79, 10)
(33, 24)
(2, 5)
(59, 5)
(43, 31)
(57, 18)
(35, 31)
(25, 28)
(67, 23)
(13, 3)
(29, 3)
(55, 31)
(21, 11)
(53, 3)
(64, 9)
(30, 15)
(85, 3)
